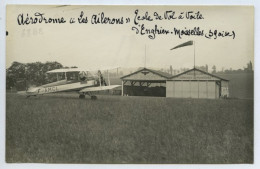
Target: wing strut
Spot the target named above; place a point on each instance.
(108, 78)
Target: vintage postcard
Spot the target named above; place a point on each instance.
(158, 84)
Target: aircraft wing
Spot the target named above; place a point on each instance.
(103, 68)
(65, 70)
(98, 88)
(80, 69)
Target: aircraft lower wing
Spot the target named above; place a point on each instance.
(98, 88)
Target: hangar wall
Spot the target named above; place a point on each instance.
(196, 83)
(192, 89)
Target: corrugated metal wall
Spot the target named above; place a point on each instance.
(192, 89)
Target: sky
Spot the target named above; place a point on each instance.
(104, 45)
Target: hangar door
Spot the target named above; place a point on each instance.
(192, 89)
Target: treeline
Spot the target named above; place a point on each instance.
(29, 73)
(247, 69)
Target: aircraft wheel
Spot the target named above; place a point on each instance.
(93, 97)
(82, 96)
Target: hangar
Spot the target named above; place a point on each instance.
(193, 83)
(196, 83)
(145, 82)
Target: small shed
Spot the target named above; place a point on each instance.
(196, 83)
(145, 82)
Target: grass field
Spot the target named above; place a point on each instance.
(114, 129)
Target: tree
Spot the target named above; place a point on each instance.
(214, 69)
(30, 73)
(206, 68)
(15, 72)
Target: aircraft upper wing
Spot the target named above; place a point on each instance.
(103, 68)
(65, 70)
(98, 88)
(80, 69)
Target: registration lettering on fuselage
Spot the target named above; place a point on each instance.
(50, 89)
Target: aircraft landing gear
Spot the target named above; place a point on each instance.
(93, 97)
(82, 96)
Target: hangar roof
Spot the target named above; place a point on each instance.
(196, 74)
(146, 74)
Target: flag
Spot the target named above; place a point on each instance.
(183, 44)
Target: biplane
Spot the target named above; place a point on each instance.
(85, 82)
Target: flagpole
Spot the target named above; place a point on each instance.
(145, 58)
(194, 54)
(194, 59)
(191, 42)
